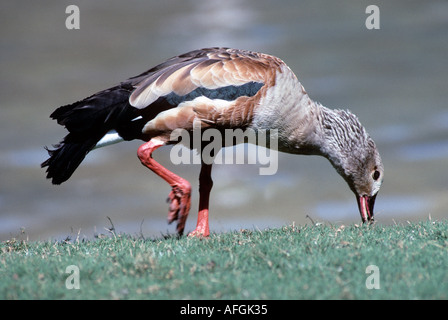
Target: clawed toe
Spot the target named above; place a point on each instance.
(179, 206)
(173, 211)
(197, 233)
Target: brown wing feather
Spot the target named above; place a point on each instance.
(208, 68)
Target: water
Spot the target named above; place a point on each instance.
(394, 79)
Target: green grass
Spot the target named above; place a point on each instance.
(301, 262)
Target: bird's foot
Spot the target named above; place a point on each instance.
(202, 229)
(199, 233)
(179, 205)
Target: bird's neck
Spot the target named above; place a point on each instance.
(306, 133)
(287, 112)
(292, 117)
(338, 136)
(301, 125)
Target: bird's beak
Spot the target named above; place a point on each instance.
(365, 204)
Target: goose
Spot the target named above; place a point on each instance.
(219, 88)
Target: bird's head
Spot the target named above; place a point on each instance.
(364, 176)
(355, 157)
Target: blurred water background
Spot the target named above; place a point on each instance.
(394, 79)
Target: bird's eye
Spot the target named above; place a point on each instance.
(376, 175)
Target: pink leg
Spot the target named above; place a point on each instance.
(205, 186)
(181, 189)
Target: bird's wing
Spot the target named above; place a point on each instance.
(216, 73)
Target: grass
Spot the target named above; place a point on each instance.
(293, 262)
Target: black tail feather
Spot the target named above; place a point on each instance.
(87, 122)
(67, 156)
